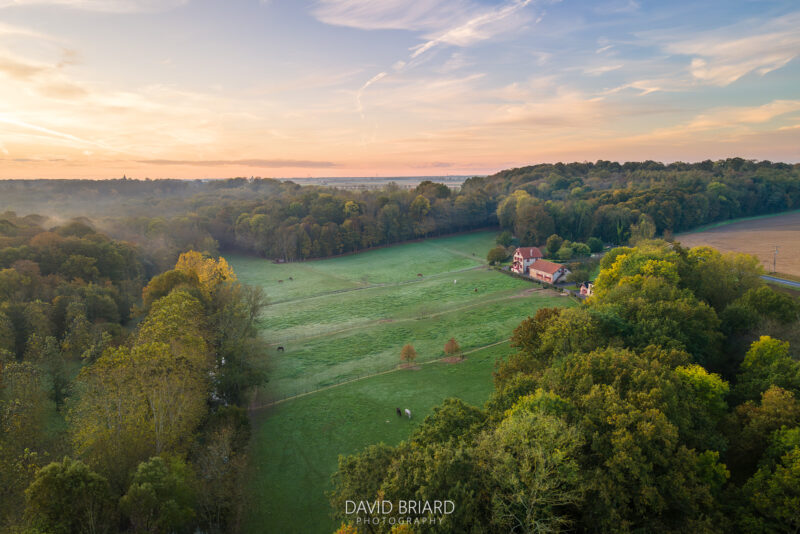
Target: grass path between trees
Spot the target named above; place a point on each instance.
(296, 444)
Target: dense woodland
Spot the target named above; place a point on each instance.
(120, 400)
(282, 220)
(667, 402)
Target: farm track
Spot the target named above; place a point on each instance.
(255, 408)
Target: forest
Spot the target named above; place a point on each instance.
(667, 402)
(285, 221)
(120, 398)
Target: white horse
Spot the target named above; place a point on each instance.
(408, 413)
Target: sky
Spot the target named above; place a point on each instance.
(298, 88)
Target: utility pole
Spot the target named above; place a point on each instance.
(775, 259)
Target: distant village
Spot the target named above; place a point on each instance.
(528, 261)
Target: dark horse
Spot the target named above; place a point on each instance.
(280, 349)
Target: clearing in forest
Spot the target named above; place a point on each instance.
(343, 318)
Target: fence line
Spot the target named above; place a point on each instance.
(255, 407)
(372, 322)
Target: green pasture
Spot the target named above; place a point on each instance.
(274, 278)
(347, 318)
(287, 321)
(378, 266)
(296, 444)
(324, 359)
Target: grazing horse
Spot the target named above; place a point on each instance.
(280, 349)
(419, 274)
(280, 281)
(291, 279)
(399, 413)
(408, 413)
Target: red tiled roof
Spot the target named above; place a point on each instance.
(529, 252)
(546, 266)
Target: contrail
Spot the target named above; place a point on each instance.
(363, 88)
(54, 133)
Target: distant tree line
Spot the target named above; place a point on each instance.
(667, 402)
(610, 201)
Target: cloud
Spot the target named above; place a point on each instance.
(602, 69)
(413, 15)
(732, 116)
(11, 121)
(720, 57)
(618, 6)
(452, 22)
(19, 69)
(479, 27)
(729, 122)
(107, 6)
(431, 165)
(265, 163)
(645, 87)
(63, 90)
(18, 31)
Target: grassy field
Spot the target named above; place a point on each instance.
(380, 266)
(296, 444)
(345, 318)
(374, 303)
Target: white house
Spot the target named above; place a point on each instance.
(524, 257)
(547, 271)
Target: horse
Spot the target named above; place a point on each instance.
(419, 274)
(408, 413)
(280, 349)
(399, 413)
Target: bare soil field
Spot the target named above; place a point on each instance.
(758, 237)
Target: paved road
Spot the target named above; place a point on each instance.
(781, 281)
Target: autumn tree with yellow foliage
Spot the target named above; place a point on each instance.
(210, 272)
